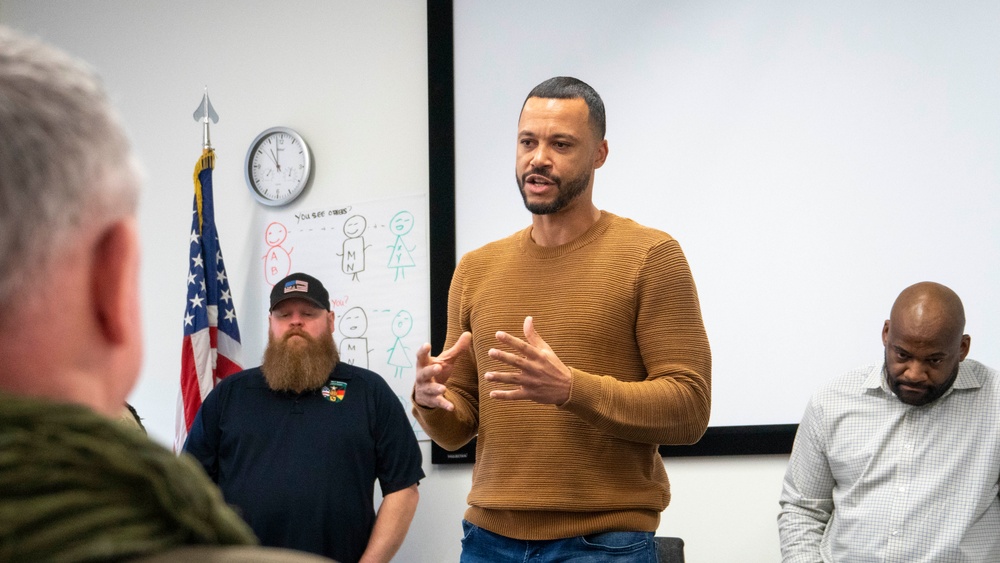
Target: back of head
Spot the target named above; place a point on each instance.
(65, 161)
(567, 87)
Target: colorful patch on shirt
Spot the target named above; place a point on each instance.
(334, 391)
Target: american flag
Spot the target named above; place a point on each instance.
(211, 346)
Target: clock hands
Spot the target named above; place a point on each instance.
(274, 158)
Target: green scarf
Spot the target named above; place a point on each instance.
(75, 486)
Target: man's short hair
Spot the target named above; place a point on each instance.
(567, 87)
(65, 161)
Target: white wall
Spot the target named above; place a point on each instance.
(351, 77)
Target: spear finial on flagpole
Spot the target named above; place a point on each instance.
(204, 113)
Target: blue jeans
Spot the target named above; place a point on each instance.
(483, 546)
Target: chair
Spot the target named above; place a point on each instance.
(669, 550)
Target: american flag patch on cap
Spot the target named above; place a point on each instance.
(296, 285)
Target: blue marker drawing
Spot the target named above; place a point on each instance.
(399, 354)
(400, 257)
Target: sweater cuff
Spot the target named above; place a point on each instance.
(443, 426)
(584, 394)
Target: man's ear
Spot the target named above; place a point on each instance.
(601, 154)
(963, 350)
(114, 273)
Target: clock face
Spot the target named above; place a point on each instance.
(278, 166)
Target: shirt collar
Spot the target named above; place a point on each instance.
(337, 374)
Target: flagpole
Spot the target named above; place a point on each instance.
(211, 346)
(204, 113)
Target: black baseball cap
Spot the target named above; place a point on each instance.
(300, 286)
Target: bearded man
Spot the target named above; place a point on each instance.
(899, 460)
(568, 396)
(297, 444)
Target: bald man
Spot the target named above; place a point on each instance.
(900, 460)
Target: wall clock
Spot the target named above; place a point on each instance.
(278, 166)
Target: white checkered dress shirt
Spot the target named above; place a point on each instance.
(872, 479)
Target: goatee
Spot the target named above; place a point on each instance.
(567, 191)
(928, 392)
(302, 365)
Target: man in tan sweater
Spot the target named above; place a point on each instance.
(574, 348)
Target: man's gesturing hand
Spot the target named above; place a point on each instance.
(540, 375)
(434, 371)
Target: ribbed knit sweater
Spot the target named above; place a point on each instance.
(619, 307)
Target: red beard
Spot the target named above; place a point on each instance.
(301, 365)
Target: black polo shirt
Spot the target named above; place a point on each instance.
(301, 468)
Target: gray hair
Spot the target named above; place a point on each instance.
(66, 163)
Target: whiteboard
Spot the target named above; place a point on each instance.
(372, 257)
(812, 159)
